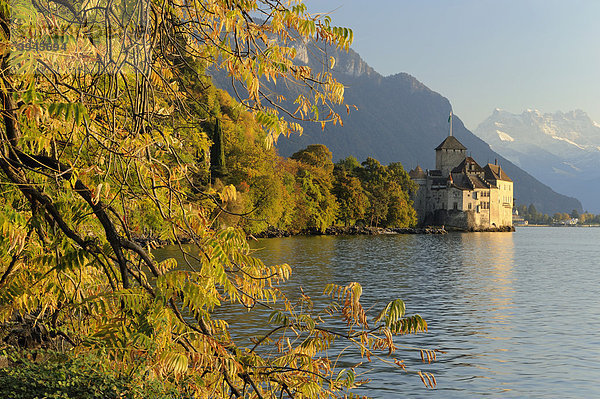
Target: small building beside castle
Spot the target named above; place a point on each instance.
(461, 194)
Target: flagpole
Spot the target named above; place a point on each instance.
(450, 120)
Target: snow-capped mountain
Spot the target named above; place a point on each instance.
(560, 149)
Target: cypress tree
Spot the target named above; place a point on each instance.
(217, 154)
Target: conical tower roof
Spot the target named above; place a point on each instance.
(451, 143)
(417, 173)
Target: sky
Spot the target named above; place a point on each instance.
(482, 54)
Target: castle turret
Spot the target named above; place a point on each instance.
(449, 154)
(417, 173)
(419, 196)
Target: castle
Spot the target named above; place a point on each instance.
(461, 194)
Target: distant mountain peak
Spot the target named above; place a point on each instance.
(561, 148)
(316, 55)
(504, 136)
(409, 81)
(352, 64)
(532, 111)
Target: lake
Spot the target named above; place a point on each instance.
(518, 314)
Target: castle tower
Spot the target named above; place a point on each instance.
(419, 197)
(449, 154)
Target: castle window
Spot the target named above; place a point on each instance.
(455, 205)
(469, 206)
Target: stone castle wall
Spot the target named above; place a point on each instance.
(461, 220)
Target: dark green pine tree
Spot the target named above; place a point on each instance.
(218, 168)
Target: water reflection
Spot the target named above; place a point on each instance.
(489, 259)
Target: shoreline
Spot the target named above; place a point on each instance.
(273, 232)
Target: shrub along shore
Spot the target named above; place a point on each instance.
(274, 232)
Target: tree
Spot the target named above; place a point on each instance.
(103, 123)
(315, 177)
(586, 218)
(316, 155)
(349, 165)
(218, 168)
(532, 211)
(401, 177)
(388, 189)
(265, 188)
(574, 214)
(373, 175)
(352, 200)
(401, 212)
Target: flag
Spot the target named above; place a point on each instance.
(450, 117)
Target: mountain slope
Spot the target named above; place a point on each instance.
(562, 149)
(400, 119)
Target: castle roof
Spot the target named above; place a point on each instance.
(478, 182)
(463, 181)
(468, 165)
(451, 143)
(495, 172)
(417, 173)
(437, 182)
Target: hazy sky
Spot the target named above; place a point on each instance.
(483, 54)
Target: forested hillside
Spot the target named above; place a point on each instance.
(303, 192)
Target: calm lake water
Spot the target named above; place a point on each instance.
(517, 313)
